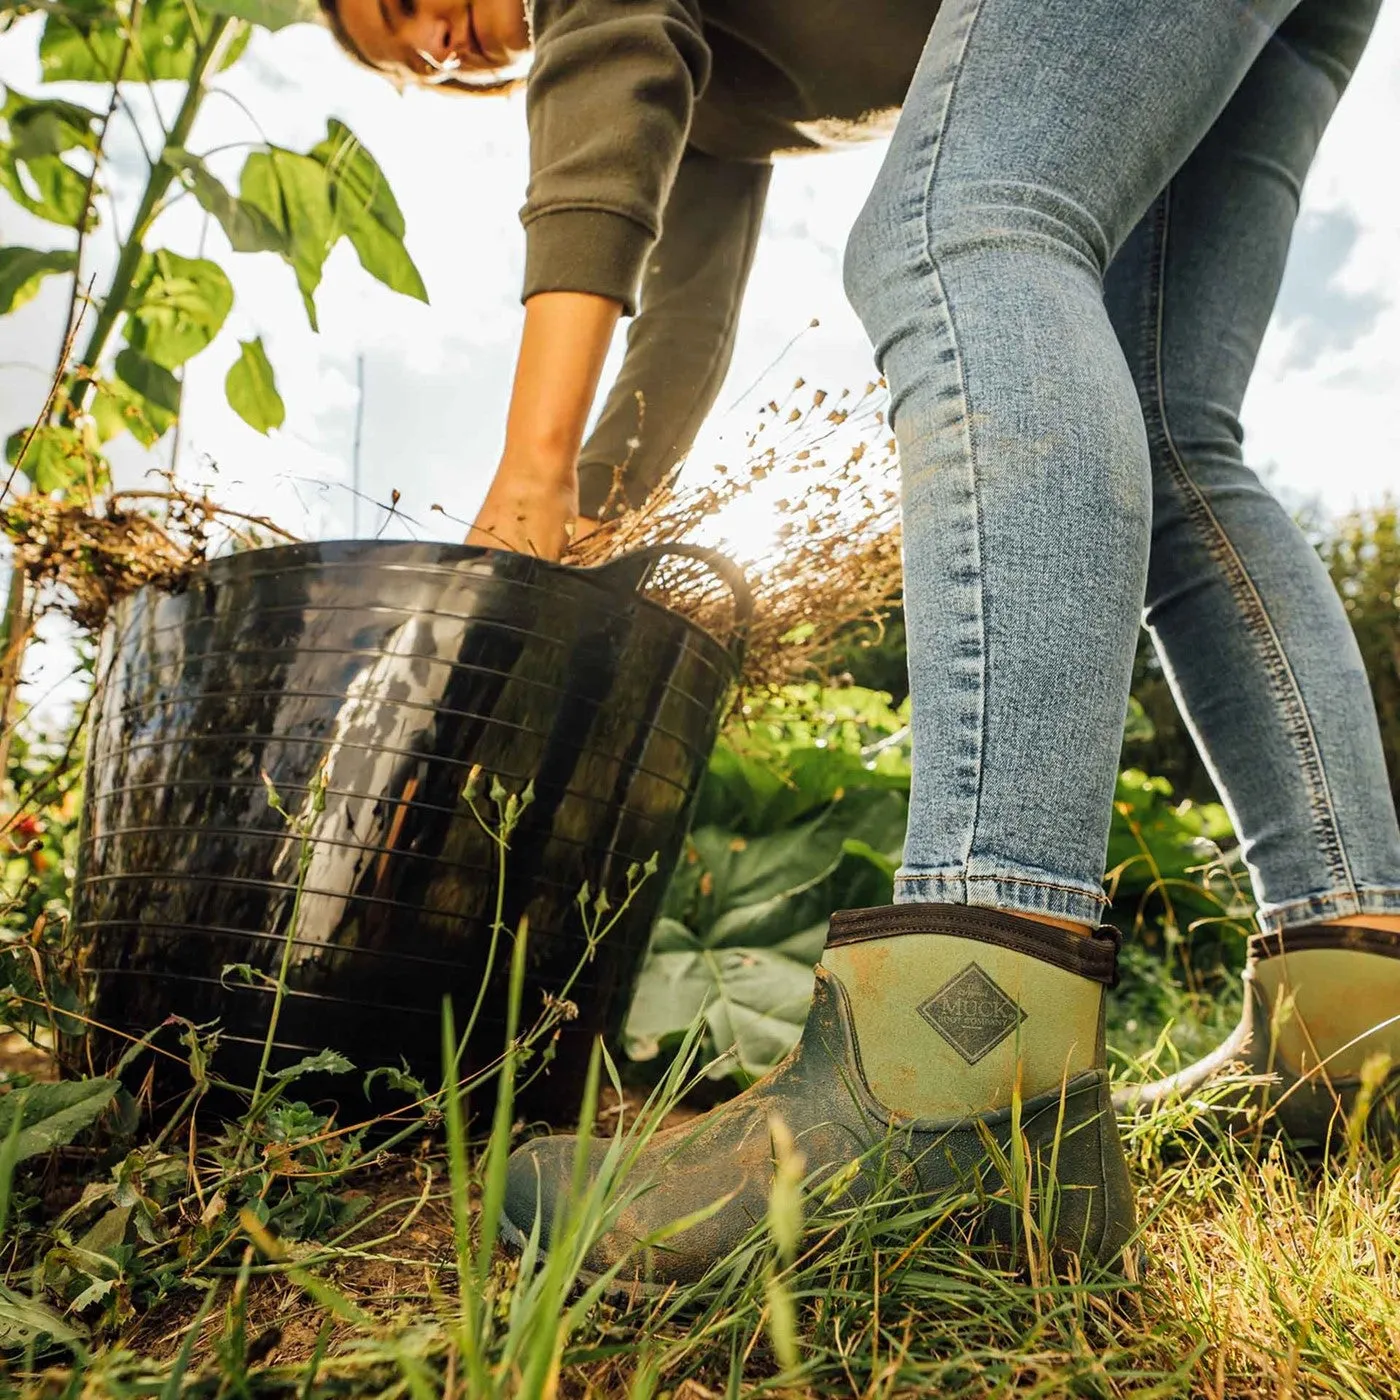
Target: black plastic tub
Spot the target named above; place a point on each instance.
(393, 669)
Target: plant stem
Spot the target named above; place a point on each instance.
(221, 30)
(71, 321)
(14, 633)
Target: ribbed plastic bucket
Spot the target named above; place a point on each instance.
(393, 669)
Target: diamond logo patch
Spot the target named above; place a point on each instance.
(972, 1013)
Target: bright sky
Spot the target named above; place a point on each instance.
(1323, 416)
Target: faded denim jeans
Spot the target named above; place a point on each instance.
(1066, 267)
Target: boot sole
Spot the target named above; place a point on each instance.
(515, 1239)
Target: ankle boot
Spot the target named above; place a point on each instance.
(924, 1020)
(1319, 1002)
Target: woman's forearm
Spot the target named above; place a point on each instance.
(532, 505)
(562, 349)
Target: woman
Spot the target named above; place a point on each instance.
(1065, 267)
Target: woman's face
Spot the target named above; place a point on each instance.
(438, 36)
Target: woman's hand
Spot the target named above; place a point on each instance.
(530, 511)
(532, 505)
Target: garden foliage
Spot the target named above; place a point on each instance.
(161, 306)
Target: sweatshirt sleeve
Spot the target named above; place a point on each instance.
(679, 347)
(608, 104)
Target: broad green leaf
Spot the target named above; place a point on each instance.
(25, 1322)
(155, 386)
(366, 211)
(750, 870)
(56, 458)
(357, 182)
(247, 228)
(294, 192)
(52, 1115)
(859, 878)
(384, 257)
(270, 14)
(793, 752)
(83, 42)
(735, 790)
(117, 409)
(46, 186)
(753, 1000)
(47, 126)
(1178, 836)
(251, 387)
(177, 306)
(23, 269)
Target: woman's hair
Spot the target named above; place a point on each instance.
(491, 87)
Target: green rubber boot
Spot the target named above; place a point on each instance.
(923, 1017)
(1319, 1003)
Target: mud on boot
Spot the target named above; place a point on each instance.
(923, 1019)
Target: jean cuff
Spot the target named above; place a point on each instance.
(1017, 890)
(1319, 908)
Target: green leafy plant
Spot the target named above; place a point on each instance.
(162, 307)
(803, 811)
(127, 342)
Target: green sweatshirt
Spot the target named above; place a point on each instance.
(652, 127)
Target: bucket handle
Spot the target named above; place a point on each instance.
(637, 567)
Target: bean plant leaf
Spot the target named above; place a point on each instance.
(293, 191)
(23, 269)
(177, 307)
(37, 133)
(270, 14)
(248, 228)
(360, 186)
(52, 1115)
(117, 409)
(336, 190)
(47, 126)
(366, 210)
(57, 457)
(251, 387)
(46, 186)
(385, 258)
(154, 386)
(83, 42)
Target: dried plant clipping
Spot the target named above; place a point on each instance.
(822, 465)
(87, 557)
(836, 559)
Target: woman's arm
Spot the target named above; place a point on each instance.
(609, 103)
(679, 346)
(533, 499)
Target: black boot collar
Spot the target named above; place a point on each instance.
(1094, 956)
(1309, 936)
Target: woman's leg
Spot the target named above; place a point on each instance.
(1033, 140)
(1252, 635)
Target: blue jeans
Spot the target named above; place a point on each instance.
(1066, 267)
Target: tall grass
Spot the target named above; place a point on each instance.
(1268, 1275)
